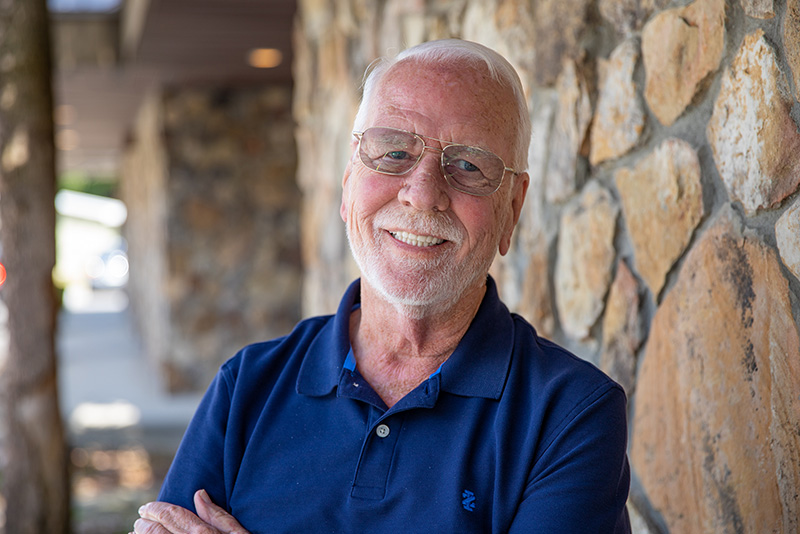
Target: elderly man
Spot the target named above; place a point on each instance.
(422, 405)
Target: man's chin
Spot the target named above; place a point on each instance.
(418, 296)
(419, 288)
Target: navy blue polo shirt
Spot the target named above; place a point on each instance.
(511, 434)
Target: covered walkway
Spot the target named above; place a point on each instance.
(122, 427)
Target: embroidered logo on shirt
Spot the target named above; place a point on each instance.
(468, 501)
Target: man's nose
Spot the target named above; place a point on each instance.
(424, 187)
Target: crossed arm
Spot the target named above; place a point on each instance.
(165, 518)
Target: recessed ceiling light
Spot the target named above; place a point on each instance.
(264, 58)
(67, 140)
(65, 114)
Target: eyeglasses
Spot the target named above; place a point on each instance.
(472, 170)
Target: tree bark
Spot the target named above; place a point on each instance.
(33, 467)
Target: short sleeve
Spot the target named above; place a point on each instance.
(199, 461)
(580, 482)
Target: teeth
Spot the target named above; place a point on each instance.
(417, 240)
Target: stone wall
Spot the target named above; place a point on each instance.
(661, 233)
(209, 179)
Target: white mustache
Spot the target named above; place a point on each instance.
(420, 223)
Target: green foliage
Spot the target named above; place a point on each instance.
(105, 186)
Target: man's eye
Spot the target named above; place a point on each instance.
(397, 154)
(464, 165)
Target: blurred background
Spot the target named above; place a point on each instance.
(194, 208)
(176, 230)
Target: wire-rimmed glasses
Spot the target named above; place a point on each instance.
(394, 152)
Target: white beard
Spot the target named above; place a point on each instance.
(419, 288)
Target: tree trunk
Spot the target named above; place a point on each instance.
(33, 467)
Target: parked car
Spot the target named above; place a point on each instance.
(109, 269)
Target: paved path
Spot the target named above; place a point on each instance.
(123, 428)
(105, 381)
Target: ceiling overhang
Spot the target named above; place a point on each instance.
(106, 62)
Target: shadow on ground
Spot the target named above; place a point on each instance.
(115, 472)
(122, 427)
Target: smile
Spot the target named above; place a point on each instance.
(417, 240)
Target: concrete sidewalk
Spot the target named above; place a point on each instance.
(105, 380)
(122, 427)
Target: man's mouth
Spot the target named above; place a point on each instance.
(417, 240)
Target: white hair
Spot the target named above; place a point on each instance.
(456, 51)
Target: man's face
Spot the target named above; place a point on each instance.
(417, 241)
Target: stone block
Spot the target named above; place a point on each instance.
(524, 280)
(662, 203)
(716, 440)
(759, 9)
(754, 140)
(558, 28)
(787, 233)
(477, 23)
(619, 118)
(680, 48)
(585, 259)
(628, 16)
(514, 23)
(569, 138)
(791, 40)
(622, 331)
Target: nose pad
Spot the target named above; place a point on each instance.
(425, 187)
(430, 162)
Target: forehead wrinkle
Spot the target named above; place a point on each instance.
(491, 104)
(453, 134)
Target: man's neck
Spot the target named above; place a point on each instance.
(396, 349)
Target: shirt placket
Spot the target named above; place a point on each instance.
(385, 428)
(377, 453)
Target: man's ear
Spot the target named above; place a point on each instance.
(518, 192)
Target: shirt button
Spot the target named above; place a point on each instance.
(382, 431)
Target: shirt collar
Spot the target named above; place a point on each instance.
(477, 368)
(326, 355)
(479, 365)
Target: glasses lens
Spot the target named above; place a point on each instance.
(390, 151)
(473, 170)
